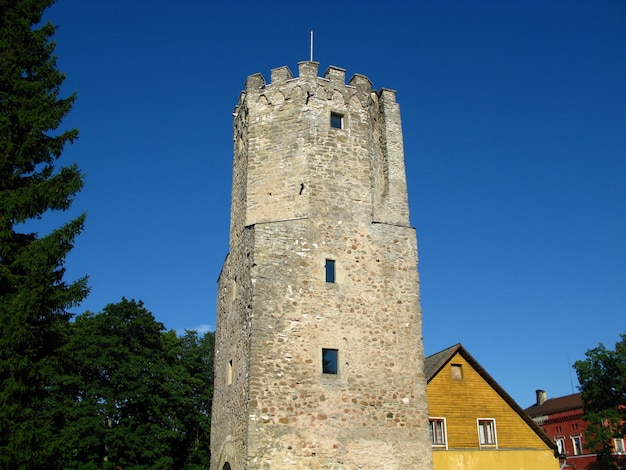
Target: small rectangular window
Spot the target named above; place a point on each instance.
(487, 432)
(438, 431)
(560, 445)
(457, 371)
(330, 363)
(330, 270)
(578, 445)
(230, 372)
(619, 445)
(336, 120)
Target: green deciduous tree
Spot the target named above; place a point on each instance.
(196, 353)
(140, 393)
(602, 378)
(34, 298)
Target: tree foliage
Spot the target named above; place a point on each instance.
(196, 355)
(141, 395)
(109, 390)
(602, 378)
(34, 298)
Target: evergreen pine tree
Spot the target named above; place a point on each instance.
(34, 298)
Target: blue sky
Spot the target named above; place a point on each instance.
(514, 118)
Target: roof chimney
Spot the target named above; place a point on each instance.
(542, 396)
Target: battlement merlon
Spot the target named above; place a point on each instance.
(281, 74)
(335, 75)
(361, 83)
(255, 82)
(387, 95)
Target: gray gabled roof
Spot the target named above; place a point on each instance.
(434, 363)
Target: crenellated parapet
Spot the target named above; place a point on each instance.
(334, 79)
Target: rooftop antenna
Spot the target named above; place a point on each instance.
(571, 381)
(311, 46)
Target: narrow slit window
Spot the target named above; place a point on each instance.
(336, 120)
(330, 271)
(330, 363)
(230, 372)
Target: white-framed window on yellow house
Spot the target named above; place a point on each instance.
(577, 443)
(438, 436)
(618, 445)
(487, 436)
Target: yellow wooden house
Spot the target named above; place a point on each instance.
(475, 424)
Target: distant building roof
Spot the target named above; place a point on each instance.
(556, 405)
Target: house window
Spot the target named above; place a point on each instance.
(336, 120)
(438, 431)
(618, 443)
(330, 364)
(457, 372)
(560, 445)
(487, 431)
(577, 442)
(330, 271)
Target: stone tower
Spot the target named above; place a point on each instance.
(319, 356)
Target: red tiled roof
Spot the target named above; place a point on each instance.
(556, 405)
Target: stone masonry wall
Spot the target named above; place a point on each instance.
(229, 420)
(305, 192)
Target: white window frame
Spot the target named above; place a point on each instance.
(618, 445)
(575, 449)
(560, 444)
(437, 419)
(479, 424)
